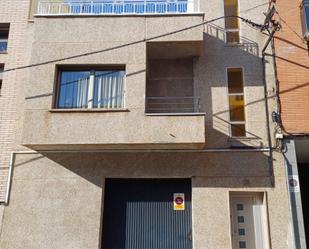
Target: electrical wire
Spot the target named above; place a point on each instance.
(293, 30)
(247, 21)
(279, 126)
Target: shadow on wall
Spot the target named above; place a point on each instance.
(212, 65)
(96, 166)
(217, 55)
(245, 44)
(233, 170)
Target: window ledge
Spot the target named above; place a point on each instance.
(176, 114)
(54, 110)
(233, 44)
(3, 52)
(240, 44)
(242, 138)
(117, 15)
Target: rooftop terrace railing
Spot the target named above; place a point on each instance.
(116, 7)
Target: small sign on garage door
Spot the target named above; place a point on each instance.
(179, 201)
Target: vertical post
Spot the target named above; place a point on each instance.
(90, 90)
(190, 6)
(8, 186)
(39, 10)
(99, 92)
(198, 105)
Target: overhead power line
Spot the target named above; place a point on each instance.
(251, 23)
(293, 30)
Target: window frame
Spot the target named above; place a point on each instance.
(5, 27)
(305, 22)
(91, 68)
(233, 30)
(1, 76)
(228, 102)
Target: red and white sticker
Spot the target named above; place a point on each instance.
(179, 201)
(294, 183)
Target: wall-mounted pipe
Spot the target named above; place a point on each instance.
(10, 173)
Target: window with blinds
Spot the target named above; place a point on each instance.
(91, 88)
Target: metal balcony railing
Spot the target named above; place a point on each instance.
(115, 7)
(232, 36)
(172, 105)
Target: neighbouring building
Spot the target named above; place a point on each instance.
(139, 124)
(292, 61)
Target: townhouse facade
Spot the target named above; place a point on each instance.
(140, 124)
(292, 63)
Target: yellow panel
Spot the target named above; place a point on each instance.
(231, 9)
(237, 108)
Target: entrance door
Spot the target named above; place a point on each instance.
(142, 214)
(247, 220)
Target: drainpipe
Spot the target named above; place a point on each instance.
(10, 174)
(8, 184)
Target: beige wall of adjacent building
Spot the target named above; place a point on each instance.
(14, 12)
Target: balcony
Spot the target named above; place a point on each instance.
(96, 109)
(164, 19)
(117, 7)
(82, 107)
(170, 78)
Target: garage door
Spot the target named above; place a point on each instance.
(147, 214)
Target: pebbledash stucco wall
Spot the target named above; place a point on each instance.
(62, 37)
(56, 198)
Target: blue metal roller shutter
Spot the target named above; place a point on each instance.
(139, 214)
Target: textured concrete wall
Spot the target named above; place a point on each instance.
(59, 38)
(170, 77)
(211, 66)
(57, 199)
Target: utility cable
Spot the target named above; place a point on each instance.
(251, 23)
(293, 30)
(280, 125)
